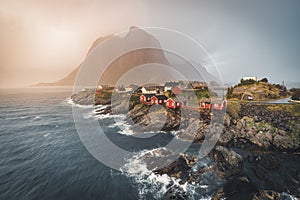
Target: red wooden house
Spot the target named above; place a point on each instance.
(205, 104)
(146, 98)
(171, 103)
(216, 105)
(158, 99)
(220, 105)
(202, 105)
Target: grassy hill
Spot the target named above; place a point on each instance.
(257, 91)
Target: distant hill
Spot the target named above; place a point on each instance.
(257, 91)
(130, 60)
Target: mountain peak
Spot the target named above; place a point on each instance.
(133, 27)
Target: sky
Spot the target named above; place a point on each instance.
(42, 41)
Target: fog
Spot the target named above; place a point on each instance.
(42, 41)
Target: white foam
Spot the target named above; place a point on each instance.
(46, 135)
(36, 118)
(147, 181)
(288, 196)
(71, 102)
(106, 116)
(125, 129)
(99, 107)
(17, 117)
(175, 133)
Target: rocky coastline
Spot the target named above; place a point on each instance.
(246, 125)
(258, 152)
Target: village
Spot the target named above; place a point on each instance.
(194, 95)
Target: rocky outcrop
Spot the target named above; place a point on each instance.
(258, 91)
(227, 162)
(270, 195)
(265, 175)
(179, 169)
(259, 134)
(148, 119)
(85, 97)
(257, 153)
(270, 127)
(252, 126)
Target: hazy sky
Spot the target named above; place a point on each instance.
(42, 41)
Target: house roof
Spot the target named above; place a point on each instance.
(161, 97)
(148, 95)
(198, 84)
(171, 84)
(172, 99)
(152, 87)
(208, 100)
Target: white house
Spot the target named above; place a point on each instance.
(129, 89)
(250, 78)
(149, 90)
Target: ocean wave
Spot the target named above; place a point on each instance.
(17, 117)
(119, 118)
(125, 128)
(148, 182)
(175, 133)
(288, 196)
(71, 102)
(152, 184)
(36, 118)
(47, 134)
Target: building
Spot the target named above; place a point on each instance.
(99, 90)
(170, 85)
(129, 88)
(146, 98)
(171, 103)
(198, 85)
(206, 104)
(176, 90)
(254, 78)
(219, 105)
(152, 89)
(158, 99)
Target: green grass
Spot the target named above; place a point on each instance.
(233, 109)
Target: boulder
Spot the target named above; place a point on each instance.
(227, 162)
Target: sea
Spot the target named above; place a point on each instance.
(43, 158)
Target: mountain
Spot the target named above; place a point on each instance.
(125, 62)
(138, 66)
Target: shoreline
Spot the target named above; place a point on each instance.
(255, 135)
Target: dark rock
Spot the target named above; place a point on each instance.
(227, 162)
(104, 111)
(267, 195)
(195, 132)
(179, 169)
(285, 142)
(239, 188)
(175, 193)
